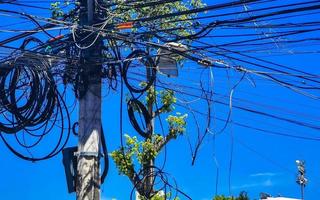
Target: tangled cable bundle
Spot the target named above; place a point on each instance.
(166, 185)
(225, 43)
(134, 105)
(31, 108)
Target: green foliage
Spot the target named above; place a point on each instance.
(148, 151)
(177, 124)
(160, 196)
(123, 157)
(136, 152)
(242, 196)
(151, 95)
(56, 8)
(167, 100)
(122, 12)
(222, 197)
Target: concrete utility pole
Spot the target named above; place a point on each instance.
(88, 178)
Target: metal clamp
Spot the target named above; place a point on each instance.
(87, 154)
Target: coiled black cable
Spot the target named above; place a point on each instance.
(147, 62)
(31, 106)
(135, 105)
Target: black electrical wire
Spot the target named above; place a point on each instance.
(243, 12)
(196, 10)
(135, 105)
(74, 126)
(28, 6)
(105, 157)
(147, 63)
(163, 180)
(31, 106)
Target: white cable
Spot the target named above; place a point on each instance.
(96, 38)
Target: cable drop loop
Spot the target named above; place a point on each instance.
(135, 105)
(147, 62)
(74, 128)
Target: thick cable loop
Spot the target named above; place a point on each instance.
(135, 105)
(147, 61)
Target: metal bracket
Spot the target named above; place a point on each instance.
(206, 62)
(87, 154)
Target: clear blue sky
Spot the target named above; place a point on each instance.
(261, 162)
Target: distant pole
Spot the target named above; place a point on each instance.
(302, 192)
(301, 179)
(88, 178)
